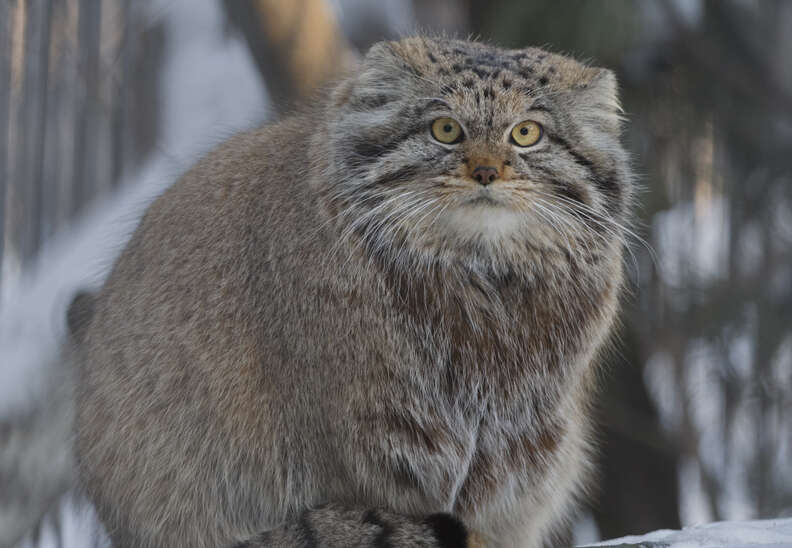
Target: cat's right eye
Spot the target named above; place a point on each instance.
(527, 133)
(447, 130)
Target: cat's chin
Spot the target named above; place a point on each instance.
(483, 219)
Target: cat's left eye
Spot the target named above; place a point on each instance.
(527, 133)
(447, 131)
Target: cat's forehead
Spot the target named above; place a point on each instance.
(475, 64)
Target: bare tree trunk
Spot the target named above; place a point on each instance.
(33, 118)
(296, 44)
(88, 42)
(119, 122)
(5, 97)
(39, 119)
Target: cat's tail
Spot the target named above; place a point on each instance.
(335, 527)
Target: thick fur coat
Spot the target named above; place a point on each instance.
(328, 333)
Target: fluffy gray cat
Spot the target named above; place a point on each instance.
(374, 323)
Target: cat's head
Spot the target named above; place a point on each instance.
(462, 151)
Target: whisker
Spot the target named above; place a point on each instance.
(573, 227)
(548, 217)
(609, 230)
(597, 217)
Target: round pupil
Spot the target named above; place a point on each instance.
(523, 131)
(448, 128)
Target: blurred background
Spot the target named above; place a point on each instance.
(104, 103)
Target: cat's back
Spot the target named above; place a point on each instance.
(210, 238)
(194, 290)
(175, 349)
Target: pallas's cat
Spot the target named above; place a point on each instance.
(374, 323)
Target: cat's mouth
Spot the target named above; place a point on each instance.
(484, 198)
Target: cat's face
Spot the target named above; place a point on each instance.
(460, 149)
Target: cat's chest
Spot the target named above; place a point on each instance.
(507, 386)
(475, 452)
(506, 459)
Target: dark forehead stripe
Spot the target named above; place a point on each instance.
(397, 175)
(605, 182)
(366, 149)
(478, 62)
(371, 101)
(421, 108)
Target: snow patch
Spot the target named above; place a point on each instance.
(772, 533)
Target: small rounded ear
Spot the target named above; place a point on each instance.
(597, 99)
(378, 65)
(379, 53)
(342, 92)
(372, 75)
(602, 88)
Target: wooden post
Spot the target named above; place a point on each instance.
(38, 122)
(119, 123)
(296, 44)
(88, 27)
(5, 97)
(29, 131)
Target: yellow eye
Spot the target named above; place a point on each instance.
(447, 131)
(527, 133)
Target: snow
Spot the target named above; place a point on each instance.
(79, 528)
(773, 533)
(210, 90)
(693, 242)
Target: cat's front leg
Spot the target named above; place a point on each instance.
(407, 465)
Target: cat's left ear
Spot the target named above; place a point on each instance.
(374, 75)
(599, 95)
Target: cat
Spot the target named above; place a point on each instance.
(373, 323)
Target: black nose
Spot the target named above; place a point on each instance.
(485, 174)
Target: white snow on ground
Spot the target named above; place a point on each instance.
(773, 533)
(79, 528)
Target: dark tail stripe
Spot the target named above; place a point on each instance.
(383, 538)
(306, 531)
(449, 531)
(259, 541)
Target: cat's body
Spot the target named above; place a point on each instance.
(330, 312)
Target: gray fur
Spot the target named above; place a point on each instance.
(313, 315)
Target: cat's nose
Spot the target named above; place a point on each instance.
(485, 174)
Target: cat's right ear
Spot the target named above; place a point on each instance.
(373, 77)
